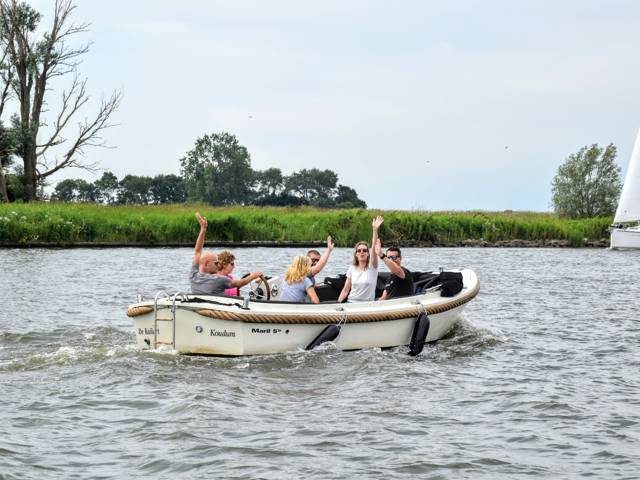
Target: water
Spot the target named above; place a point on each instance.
(539, 380)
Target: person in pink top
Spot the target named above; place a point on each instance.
(232, 291)
(226, 264)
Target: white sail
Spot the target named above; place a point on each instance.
(629, 204)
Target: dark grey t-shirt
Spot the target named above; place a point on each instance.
(208, 283)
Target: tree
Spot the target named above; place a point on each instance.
(305, 187)
(167, 189)
(269, 182)
(86, 191)
(587, 183)
(15, 184)
(106, 188)
(66, 190)
(134, 189)
(312, 185)
(218, 171)
(283, 199)
(7, 149)
(74, 190)
(34, 63)
(7, 137)
(347, 197)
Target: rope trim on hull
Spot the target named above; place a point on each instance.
(135, 311)
(327, 317)
(320, 318)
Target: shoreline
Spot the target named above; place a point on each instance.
(469, 243)
(59, 225)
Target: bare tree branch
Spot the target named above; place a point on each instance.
(72, 101)
(89, 135)
(6, 75)
(35, 61)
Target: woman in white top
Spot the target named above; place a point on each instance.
(362, 276)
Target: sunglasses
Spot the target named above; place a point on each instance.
(393, 257)
(314, 261)
(362, 250)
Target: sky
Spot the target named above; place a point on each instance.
(418, 105)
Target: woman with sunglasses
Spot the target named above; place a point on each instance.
(362, 275)
(226, 264)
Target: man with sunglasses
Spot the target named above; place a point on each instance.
(317, 261)
(205, 276)
(400, 282)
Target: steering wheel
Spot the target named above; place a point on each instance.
(267, 289)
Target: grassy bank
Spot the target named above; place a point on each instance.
(58, 223)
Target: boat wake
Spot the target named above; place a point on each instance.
(465, 339)
(62, 347)
(66, 347)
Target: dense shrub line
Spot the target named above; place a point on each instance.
(157, 224)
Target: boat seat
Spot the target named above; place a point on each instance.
(329, 290)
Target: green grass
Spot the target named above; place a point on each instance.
(60, 223)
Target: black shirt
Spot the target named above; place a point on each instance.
(400, 287)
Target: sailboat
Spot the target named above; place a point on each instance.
(624, 235)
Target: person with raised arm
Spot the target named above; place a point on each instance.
(206, 262)
(318, 261)
(362, 275)
(204, 277)
(400, 282)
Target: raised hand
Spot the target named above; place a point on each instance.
(330, 243)
(201, 220)
(377, 222)
(200, 240)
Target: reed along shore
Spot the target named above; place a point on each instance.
(65, 224)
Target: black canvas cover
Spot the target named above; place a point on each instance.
(422, 281)
(451, 283)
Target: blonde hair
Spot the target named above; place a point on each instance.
(298, 270)
(225, 258)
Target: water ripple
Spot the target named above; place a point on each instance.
(538, 380)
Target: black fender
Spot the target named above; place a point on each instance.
(328, 334)
(419, 335)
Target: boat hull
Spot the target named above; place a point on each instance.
(227, 327)
(625, 238)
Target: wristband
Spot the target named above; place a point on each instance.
(383, 256)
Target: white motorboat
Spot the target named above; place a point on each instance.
(623, 233)
(219, 325)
